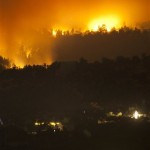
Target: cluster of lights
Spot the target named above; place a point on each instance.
(58, 125)
(54, 125)
(39, 123)
(135, 115)
(111, 114)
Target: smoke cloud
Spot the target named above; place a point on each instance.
(21, 20)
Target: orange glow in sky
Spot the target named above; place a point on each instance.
(20, 19)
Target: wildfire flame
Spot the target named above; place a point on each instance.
(19, 19)
(109, 22)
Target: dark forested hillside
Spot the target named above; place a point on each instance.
(96, 45)
(70, 86)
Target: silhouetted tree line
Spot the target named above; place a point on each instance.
(72, 45)
(95, 45)
(4, 63)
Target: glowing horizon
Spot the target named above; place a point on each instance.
(28, 54)
(109, 21)
(19, 21)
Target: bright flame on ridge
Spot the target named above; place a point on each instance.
(109, 22)
(54, 33)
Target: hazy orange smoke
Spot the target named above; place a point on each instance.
(22, 23)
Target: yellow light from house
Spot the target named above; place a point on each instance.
(37, 124)
(109, 22)
(52, 124)
(55, 125)
(119, 114)
(42, 123)
(110, 114)
(136, 115)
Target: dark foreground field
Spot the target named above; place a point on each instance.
(133, 135)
